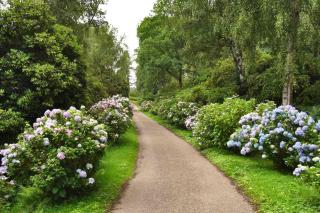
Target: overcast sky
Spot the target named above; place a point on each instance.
(125, 15)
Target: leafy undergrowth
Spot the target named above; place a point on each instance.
(269, 189)
(115, 169)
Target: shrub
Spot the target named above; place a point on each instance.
(59, 154)
(7, 192)
(215, 122)
(164, 106)
(115, 113)
(180, 112)
(11, 124)
(155, 108)
(311, 174)
(146, 106)
(287, 136)
(39, 60)
(250, 127)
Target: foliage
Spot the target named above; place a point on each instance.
(215, 122)
(39, 60)
(11, 124)
(107, 63)
(311, 175)
(146, 106)
(7, 192)
(72, 12)
(254, 49)
(158, 57)
(115, 113)
(59, 154)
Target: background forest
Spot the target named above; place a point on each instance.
(55, 54)
(204, 51)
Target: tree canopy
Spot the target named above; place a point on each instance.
(268, 49)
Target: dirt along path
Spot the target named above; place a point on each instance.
(171, 176)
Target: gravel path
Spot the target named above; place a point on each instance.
(171, 176)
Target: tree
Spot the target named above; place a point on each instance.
(75, 12)
(107, 63)
(40, 63)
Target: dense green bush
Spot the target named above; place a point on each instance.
(216, 122)
(59, 155)
(312, 175)
(7, 192)
(164, 106)
(39, 60)
(11, 124)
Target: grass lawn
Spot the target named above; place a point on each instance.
(269, 189)
(116, 168)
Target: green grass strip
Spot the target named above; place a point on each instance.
(270, 190)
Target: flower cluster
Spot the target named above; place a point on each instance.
(115, 113)
(191, 122)
(50, 153)
(146, 106)
(286, 135)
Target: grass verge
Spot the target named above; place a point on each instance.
(269, 189)
(115, 169)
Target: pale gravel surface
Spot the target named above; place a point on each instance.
(171, 176)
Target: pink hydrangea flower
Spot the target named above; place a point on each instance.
(66, 114)
(61, 155)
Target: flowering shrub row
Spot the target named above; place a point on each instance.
(176, 112)
(60, 153)
(291, 138)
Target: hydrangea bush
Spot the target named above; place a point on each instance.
(180, 112)
(250, 127)
(286, 135)
(146, 106)
(191, 122)
(59, 154)
(216, 122)
(164, 107)
(115, 113)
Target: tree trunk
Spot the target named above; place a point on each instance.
(238, 61)
(287, 92)
(180, 79)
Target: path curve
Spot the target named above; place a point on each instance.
(171, 176)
